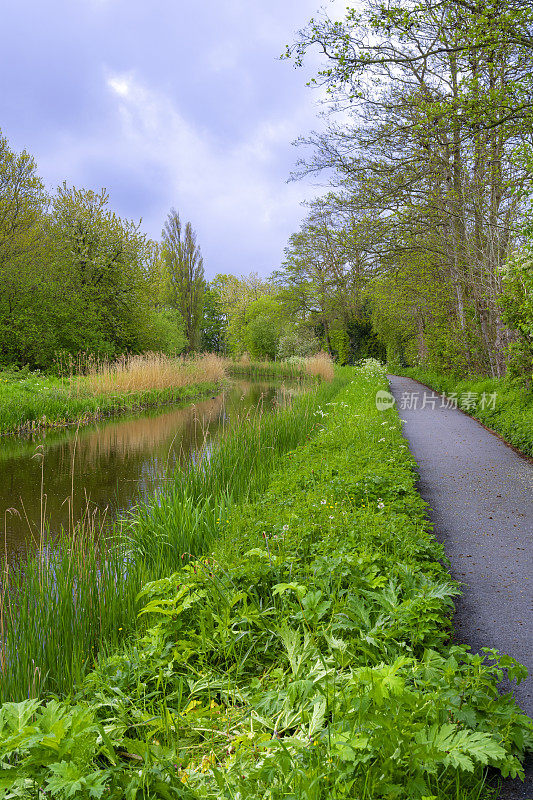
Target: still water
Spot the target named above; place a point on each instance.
(104, 469)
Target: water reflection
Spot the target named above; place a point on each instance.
(108, 466)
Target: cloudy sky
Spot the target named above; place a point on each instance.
(180, 103)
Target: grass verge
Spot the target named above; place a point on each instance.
(501, 405)
(306, 654)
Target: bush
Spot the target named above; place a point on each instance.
(297, 344)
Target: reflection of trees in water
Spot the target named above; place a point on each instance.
(118, 461)
(139, 434)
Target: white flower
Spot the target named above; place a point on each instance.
(323, 502)
(285, 527)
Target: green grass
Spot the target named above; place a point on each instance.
(33, 401)
(306, 654)
(78, 597)
(502, 405)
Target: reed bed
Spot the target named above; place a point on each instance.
(34, 401)
(320, 366)
(149, 372)
(77, 597)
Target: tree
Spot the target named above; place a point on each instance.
(440, 97)
(185, 274)
(517, 304)
(263, 326)
(24, 268)
(103, 264)
(327, 267)
(214, 322)
(236, 296)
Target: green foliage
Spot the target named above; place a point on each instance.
(82, 588)
(517, 304)
(164, 332)
(23, 270)
(432, 176)
(262, 328)
(307, 655)
(101, 261)
(214, 322)
(253, 316)
(297, 342)
(184, 267)
(73, 275)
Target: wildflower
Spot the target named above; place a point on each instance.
(323, 502)
(285, 527)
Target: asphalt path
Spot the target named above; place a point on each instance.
(480, 493)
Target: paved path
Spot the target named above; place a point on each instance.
(481, 495)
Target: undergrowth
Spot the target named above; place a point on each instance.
(306, 654)
(501, 404)
(77, 596)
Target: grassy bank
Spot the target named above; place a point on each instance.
(75, 598)
(305, 654)
(503, 406)
(30, 401)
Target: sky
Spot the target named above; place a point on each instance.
(168, 103)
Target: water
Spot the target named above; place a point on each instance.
(103, 469)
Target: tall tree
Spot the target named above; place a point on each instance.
(103, 263)
(185, 273)
(24, 267)
(440, 96)
(214, 321)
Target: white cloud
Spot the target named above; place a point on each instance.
(232, 192)
(120, 86)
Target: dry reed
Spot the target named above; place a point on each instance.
(320, 366)
(151, 371)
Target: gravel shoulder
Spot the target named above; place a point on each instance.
(480, 493)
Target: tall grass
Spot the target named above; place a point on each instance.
(320, 366)
(77, 597)
(148, 372)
